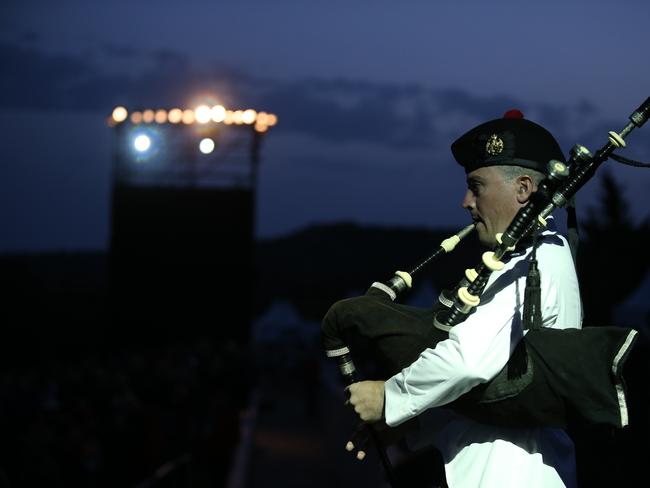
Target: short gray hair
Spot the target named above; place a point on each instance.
(511, 173)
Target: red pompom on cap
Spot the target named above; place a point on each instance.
(513, 114)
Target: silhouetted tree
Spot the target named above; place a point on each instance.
(613, 258)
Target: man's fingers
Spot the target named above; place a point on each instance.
(361, 455)
(358, 440)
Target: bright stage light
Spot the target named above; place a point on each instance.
(259, 127)
(206, 146)
(175, 115)
(218, 113)
(136, 117)
(148, 116)
(146, 142)
(142, 143)
(188, 116)
(120, 114)
(203, 114)
(161, 116)
(248, 117)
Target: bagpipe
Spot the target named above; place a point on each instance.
(552, 374)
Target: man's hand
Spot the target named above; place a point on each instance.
(367, 399)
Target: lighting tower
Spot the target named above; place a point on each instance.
(182, 224)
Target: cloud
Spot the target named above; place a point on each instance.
(35, 79)
(337, 110)
(31, 79)
(455, 100)
(344, 111)
(119, 51)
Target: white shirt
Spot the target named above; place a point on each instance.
(479, 455)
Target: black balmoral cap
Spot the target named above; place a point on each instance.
(511, 140)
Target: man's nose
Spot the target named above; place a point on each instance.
(468, 201)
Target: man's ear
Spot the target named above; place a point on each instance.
(525, 188)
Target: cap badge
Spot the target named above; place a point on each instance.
(494, 145)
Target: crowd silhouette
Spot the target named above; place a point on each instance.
(123, 417)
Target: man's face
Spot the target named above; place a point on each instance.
(491, 201)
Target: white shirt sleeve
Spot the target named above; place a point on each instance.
(478, 348)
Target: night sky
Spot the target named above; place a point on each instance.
(369, 95)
